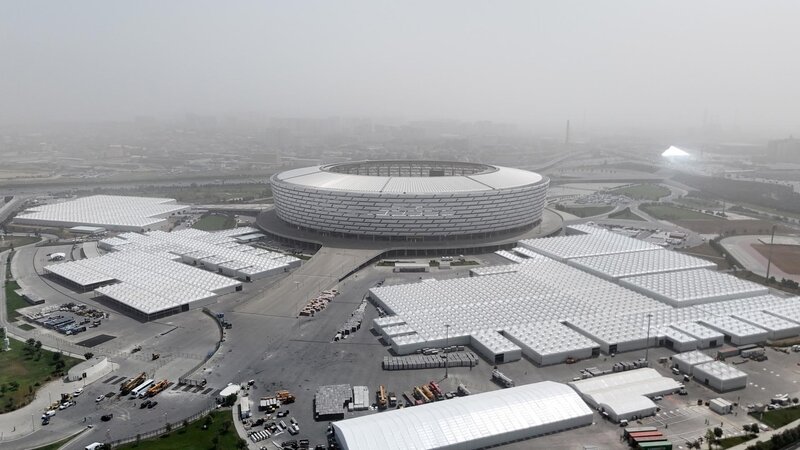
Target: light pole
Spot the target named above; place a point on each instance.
(296, 286)
(647, 345)
(769, 259)
(446, 353)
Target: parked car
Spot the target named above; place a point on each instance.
(106, 417)
(145, 404)
(152, 404)
(99, 398)
(77, 392)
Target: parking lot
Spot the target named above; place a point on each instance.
(279, 351)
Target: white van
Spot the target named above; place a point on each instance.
(93, 446)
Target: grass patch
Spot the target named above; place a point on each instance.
(625, 214)
(21, 373)
(733, 441)
(385, 264)
(707, 252)
(779, 417)
(464, 263)
(26, 326)
(17, 241)
(219, 425)
(14, 301)
(651, 192)
(215, 222)
(670, 212)
(585, 211)
(55, 445)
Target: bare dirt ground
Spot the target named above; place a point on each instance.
(786, 257)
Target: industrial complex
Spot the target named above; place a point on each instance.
(566, 322)
(156, 274)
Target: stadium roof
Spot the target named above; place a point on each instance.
(104, 211)
(321, 177)
(479, 420)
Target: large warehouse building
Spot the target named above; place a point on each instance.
(410, 200)
(156, 274)
(477, 421)
(112, 212)
(568, 287)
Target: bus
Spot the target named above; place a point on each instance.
(141, 389)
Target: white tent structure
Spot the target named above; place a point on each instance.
(476, 421)
(685, 362)
(571, 296)
(720, 376)
(113, 212)
(624, 395)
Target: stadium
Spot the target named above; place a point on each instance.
(410, 200)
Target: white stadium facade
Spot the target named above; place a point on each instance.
(410, 200)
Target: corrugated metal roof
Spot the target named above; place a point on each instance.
(527, 410)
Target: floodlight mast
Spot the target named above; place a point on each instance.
(647, 344)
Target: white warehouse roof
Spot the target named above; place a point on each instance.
(599, 243)
(109, 211)
(692, 287)
(151, 277)
(719, 370)
(640, 263)
(692, 358)
(476, 421)
(624, 394)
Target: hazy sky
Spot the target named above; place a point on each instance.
(613, 64)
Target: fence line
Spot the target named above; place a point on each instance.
(169, 427)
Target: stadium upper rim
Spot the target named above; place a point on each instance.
(409, 177)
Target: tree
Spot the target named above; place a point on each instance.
(215, 441)
(717, 432)
(56, 356)
(88, 355)
(710, 438)
(241, 444)
(229, 400)
(38, 345)
(208, 421)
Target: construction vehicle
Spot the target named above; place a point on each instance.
(427, 391)
(420, 396)
(501, 379)
(383, 402)
(392, 400)
(462, 390)
(127, 386)
(436, 390)
(284, 397)
(156, 388)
